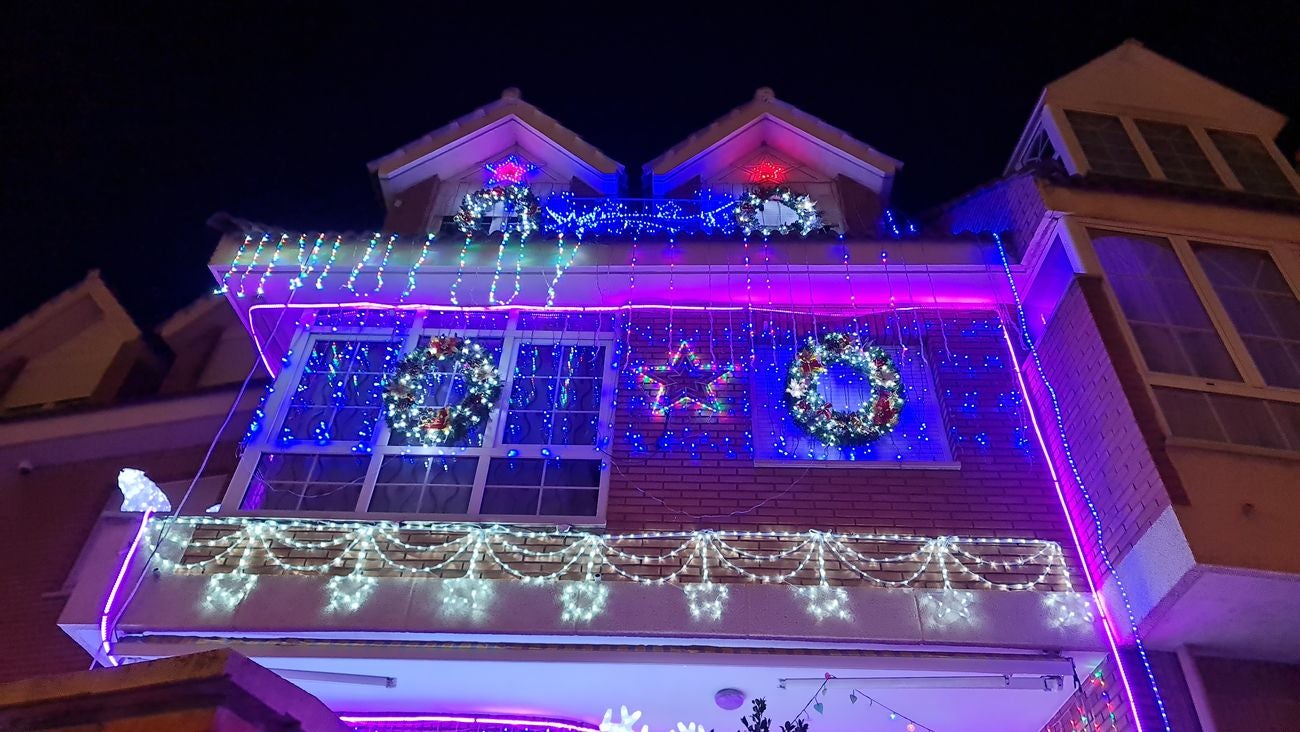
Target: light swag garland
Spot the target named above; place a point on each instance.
(407, 388)
(748, 211)
(463, 554)
(872, 419)
(518, 199)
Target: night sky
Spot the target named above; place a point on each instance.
(125, 128)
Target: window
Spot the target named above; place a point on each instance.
(1106, 144)
(1251, 162)
(1202, 415)
(1171, 292)
(1179, 155)
(535, 458)
(1261, 305)
(1172, 327)
(919, 440)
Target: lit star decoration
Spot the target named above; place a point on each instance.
(766, 173)
(684, 382)
(510, 169)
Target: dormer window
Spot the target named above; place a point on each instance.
(1040, 151)
(1251, 162)
(1106, 145)
(1179, 155)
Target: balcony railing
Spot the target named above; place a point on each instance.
(234, 553)
(593, 218)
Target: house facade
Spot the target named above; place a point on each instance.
(539, 449)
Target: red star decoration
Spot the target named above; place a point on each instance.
(510, 169)
(685, 381)
(767, 172)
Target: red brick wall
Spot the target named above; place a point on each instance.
(1002, 488)
(1108, 443)
(1099, 704)
(50, 513)
(1012, 207)
(1251, 695)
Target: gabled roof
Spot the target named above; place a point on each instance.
(766, 109)
(1131, 77)
(510, 110)
(191, 314)
(92, 289)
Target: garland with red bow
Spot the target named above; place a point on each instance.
(520, 208)
(407, 388)
(872, 419)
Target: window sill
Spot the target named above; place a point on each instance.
(857, 464)
(404, 518)
(1189, 443)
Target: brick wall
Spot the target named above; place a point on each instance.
(1099, 703)
(1107, 439)
(1251, 695)
(1013, 206)
(1002, 488)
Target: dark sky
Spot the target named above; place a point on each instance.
(127, 125)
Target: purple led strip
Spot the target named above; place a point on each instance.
(1107, 622)
(105, 637)
(382, 719)
(257, 341)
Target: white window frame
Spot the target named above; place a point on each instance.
(276, 410)
(1252, 384)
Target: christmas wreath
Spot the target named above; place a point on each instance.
(748, 211)
(519, 202)
(872, 419)
(407, 388)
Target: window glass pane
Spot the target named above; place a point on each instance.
(1106, 144)
(567, 487)
(1170, 324)
(340, 392)
(1189, 414)
(424, 484)
(555, 395)
(306, 482)
(1231, 419)
(1179, 155)
(1251, 162)
(1262, 306)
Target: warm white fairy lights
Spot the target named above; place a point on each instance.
(585, 567)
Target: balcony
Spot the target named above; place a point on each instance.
(557, 620)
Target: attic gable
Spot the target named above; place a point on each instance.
(1131, 79)
(491, 131)
(79, 345)
(769, 122)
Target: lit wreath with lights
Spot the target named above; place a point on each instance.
(748, 211)
(407, 388)
(518, 199)
(873, 418)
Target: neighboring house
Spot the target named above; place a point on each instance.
(88, 393)
(538, 449)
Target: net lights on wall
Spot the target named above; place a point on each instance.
(585, 568)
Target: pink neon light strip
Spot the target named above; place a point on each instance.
(261, 352)
(105, 642)
(400, 719)
(1074, 530)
